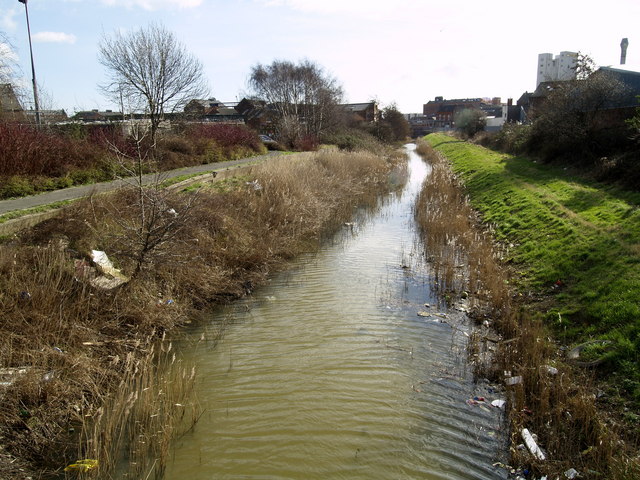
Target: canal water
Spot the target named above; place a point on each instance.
(344, 367)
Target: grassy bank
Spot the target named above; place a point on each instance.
(80, 359)
(563, 270)
(39, 160)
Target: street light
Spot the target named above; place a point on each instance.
(33, 68)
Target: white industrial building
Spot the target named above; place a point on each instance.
(553, 69)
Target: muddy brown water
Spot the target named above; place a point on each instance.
(328, 372)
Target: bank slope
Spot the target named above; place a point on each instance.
(575, 244)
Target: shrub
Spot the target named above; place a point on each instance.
(225, 135)
(307, 143)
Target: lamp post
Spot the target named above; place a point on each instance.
(33, 68)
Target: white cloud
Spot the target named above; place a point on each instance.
(54, 37)
(361, 8)
(7, 22)
(154, 4)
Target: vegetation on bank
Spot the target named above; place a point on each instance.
(569, 251)
(36, 160)
(81, 361)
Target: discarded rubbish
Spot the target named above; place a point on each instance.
(82, 465)
(172, 211)
(575, 354)
(498, 403)
(24, 295)
(10, 374)
(113, 278)
(550, 370)
(571, 473)
(255, 185)
(47, 377)
(532, 445)
(422, 313)
(513, 380)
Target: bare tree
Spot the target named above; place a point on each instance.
(8, 61)
(151, 216)
(152, 71)
(304, 96)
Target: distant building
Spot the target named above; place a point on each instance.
(363, 112)
(442, 112)
(47, 116)
(212, 110)
(10, 108)
(554, 69)
(91, 116)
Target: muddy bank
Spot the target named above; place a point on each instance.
(81, 345)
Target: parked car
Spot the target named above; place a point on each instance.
(267, 140)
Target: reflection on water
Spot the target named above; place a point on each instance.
(329, 372)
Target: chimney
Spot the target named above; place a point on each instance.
(509, 102)
(623, 47)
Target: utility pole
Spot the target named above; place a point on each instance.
(33, 68)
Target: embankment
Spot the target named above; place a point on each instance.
(562, 272)
(83, 361)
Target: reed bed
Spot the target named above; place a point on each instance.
(547, 396)
(89, 373)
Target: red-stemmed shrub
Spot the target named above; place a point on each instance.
(225, 136)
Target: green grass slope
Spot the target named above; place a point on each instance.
(575, 244)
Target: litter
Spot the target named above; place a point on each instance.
(25, 295)
(571, 473)
(114, 278)
(513, 380)
(498, 403)
(255, 185)
(532, 445)
(550, 370)
(82, 465)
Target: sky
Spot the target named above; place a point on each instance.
(394, 51)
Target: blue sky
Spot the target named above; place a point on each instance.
(403, 51)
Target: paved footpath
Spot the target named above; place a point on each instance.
(74, 193)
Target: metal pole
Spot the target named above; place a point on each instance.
(33, 68)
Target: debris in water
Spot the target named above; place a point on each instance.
(498, 403)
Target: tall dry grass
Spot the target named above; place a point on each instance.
(552, 399)
(94, 368)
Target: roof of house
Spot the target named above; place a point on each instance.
(631, 80)
(8, 100)
(357, 107)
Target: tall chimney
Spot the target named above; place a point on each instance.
(623, 54)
